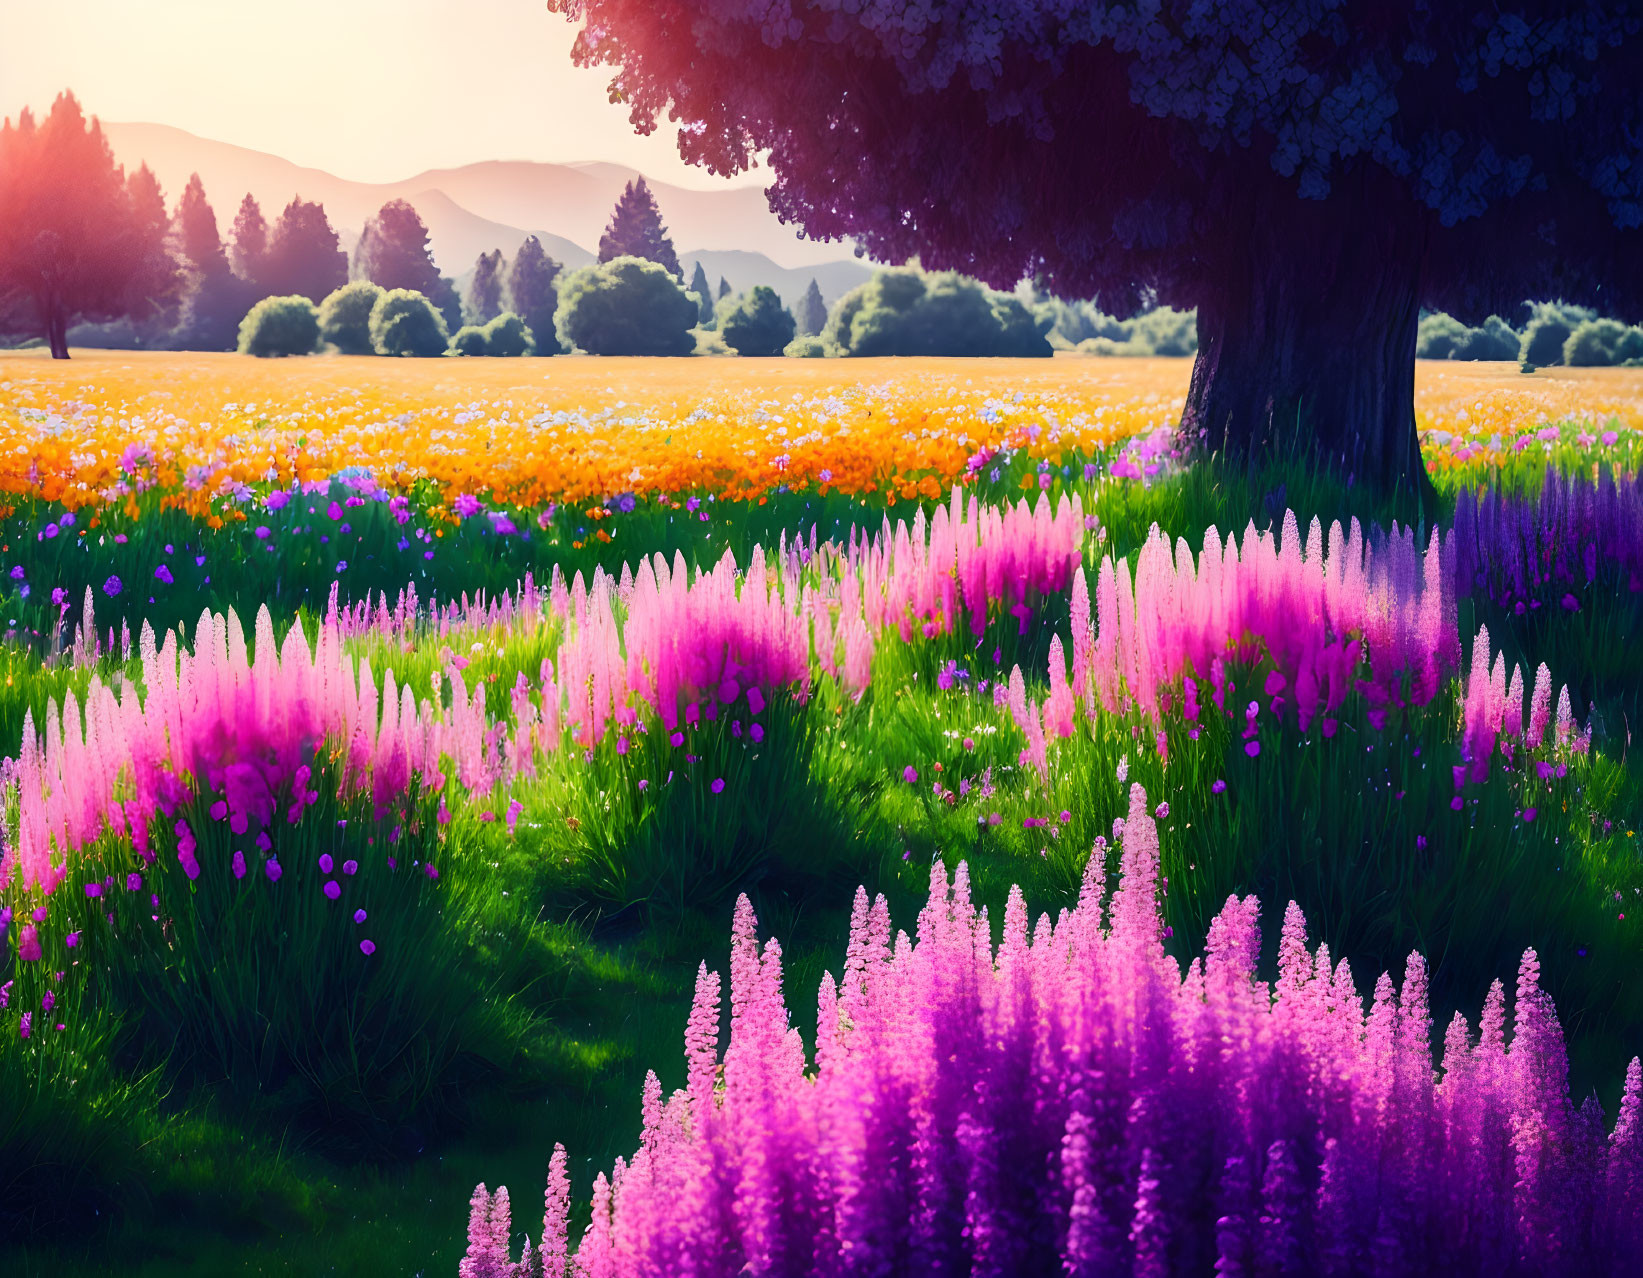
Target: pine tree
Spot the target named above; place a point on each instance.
(812, 311)
(636, 230)
(393, 251)
(703, 292)
(214, 299)
(533, 294)
(250, 234)
(484, 300)
(304, 257)
(724, 287)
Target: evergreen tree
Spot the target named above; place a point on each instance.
(304, 258)
(78, 241)
(393, 251)
(214, 299)
(703, 292)
(812, 314)
(724, 288)
(157, 282)
(533, 294)
(447, 301)
(636, 230)
(484, 300)
(250, 241)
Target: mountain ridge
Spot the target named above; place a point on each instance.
(492, 204)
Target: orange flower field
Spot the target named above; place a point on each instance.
(533, 430)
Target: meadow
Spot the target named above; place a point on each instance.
(388, 744)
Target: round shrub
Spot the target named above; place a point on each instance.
(345, 317)
(626, 306)
(469, 340)
(1549, 327)
(758, 324)
(280, 326)
(1602, 342)
(508, 335)
(807, 347)
(404, 322)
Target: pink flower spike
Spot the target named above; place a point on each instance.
(272, 869)
(239, 864)
(72, 940)
(28, 944)
(757, 733)
(333, 889)
(909, 774)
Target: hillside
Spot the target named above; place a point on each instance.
(494, 204)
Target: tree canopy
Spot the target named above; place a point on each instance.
(1306, 176)
(303, 258)
(393, 251)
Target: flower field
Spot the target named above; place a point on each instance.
(1119, 865)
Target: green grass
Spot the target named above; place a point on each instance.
(230, 1107)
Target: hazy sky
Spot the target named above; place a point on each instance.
(373, 90)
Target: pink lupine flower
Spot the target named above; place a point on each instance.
(28, 944)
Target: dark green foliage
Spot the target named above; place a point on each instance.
(757, 324)
(812, 316)
(404, 322)
(1603, 342)
(213, 305)
(469, 340)
(484, 300)
(280, 326)
(1443, 336)
(345, 317)
(807, 348)
(508, 335)
(627, 306)
(303, 254)
(903, 311)
(724, 288)
(1548, 329)
(532, 294)
(504, 335)
(636, 230)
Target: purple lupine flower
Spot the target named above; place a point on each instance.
(112, 587)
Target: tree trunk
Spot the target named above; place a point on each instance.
(1306, 339)
(57, 334)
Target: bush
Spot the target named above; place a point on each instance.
(903, 311)
(507, 335)
(709, 341)
(757, 324)
(469, 340)
(807, 347)
(280, 326)
(1442, 336)
(626, 306)
(404, 322)
(345, 317)
(1602, 342)
(1548, 329)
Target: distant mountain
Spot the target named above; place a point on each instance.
(479, 207)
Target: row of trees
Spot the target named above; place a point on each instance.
(1555, 333)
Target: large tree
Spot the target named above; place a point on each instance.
(636, 230)
(78, 239)
(304, 258)
(812, 314)
(1307, 175)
